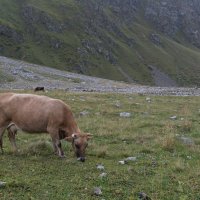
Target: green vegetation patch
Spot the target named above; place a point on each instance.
(166, 165)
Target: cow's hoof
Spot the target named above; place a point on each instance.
(82, 159)
(62, 156)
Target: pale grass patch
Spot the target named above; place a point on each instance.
(38, 147)
(186, 126)
(100, 151)
(169, 127)
(185, 111)
(168, 142)
(179, 165)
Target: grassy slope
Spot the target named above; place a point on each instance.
(165, 168)
(178, 59)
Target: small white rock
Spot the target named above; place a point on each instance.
(125, 114)
(102, 175)
(100, 167)
(131, 159)
(148, 99)
(173, 117)
(118, 105)
(97, 191)
(122, 162)
(2, 184)
(83, 113)
(189, 157)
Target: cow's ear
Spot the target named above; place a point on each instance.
(72, 137)
(89, 136)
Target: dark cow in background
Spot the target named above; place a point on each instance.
(39, 89)
(41, 114)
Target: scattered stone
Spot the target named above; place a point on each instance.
(100, 167)
(83, 113)
(125, 114)
(2, 184)
(122, 162)
(182, 118)
(143, 196)
(173, 117)
(145, 113)
(97, 191)
(186, 140)
(148, 99)
(102, 175)
(154, 163)
(118, 105)
(130, 159)
(189, 157)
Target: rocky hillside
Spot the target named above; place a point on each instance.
(153, 42)
(20, 75)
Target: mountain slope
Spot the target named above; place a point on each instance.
(126, 40)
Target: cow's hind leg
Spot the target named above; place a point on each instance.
(2, 130)
(12, 131)
(56, 142)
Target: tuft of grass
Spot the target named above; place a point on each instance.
(168, 142)
(179, 165)
(38, 147)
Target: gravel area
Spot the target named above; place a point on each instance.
(28, 76)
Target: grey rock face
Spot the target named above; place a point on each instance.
(171, 17)
(10, 33)
(33, 16)
(155, 38)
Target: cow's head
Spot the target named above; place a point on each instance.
(79, 143)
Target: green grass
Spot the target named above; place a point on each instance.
(165, 168)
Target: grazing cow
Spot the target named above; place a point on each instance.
(39, 89)
(41, 114)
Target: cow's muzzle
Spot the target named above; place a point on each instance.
(82, 159)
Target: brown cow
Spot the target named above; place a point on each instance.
(41, 114)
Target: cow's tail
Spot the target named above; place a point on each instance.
(1, 144)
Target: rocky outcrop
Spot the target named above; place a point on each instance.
(10, 33)
(33, 16)
(171, 17)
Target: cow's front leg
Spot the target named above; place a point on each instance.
(58, 147)
(56, 142)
